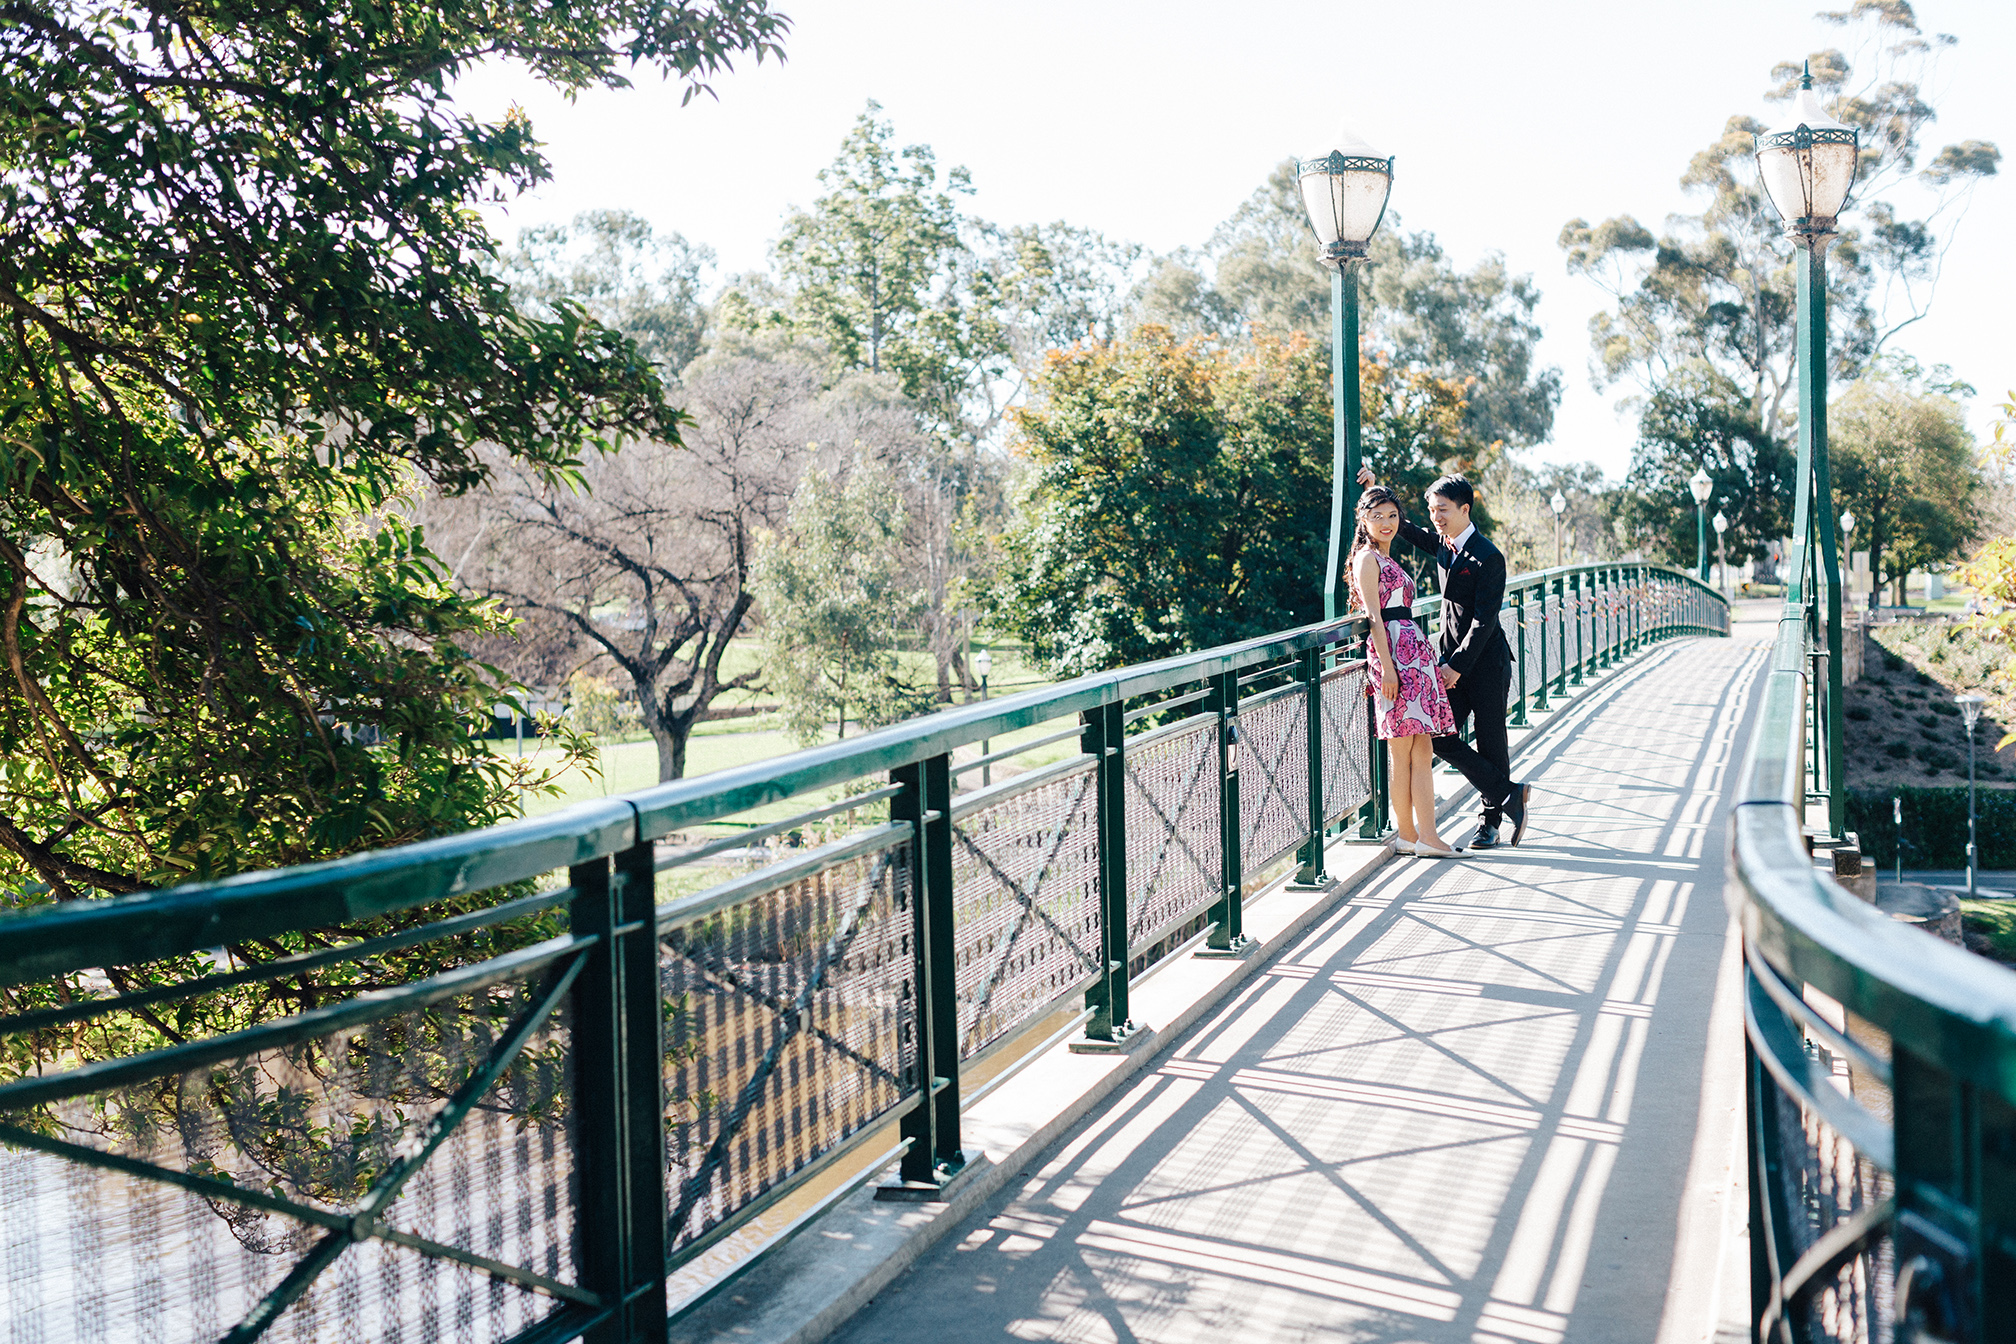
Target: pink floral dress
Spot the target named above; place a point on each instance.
(1423, 706)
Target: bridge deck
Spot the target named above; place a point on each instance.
(1477, 1103)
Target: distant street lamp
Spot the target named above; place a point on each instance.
(1721, 525)
(1807, 166)
(1702, 488)
(1560, 506)
(1344, 188)
(1970, 714)
(983, 663)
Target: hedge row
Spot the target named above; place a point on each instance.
(1935, 826)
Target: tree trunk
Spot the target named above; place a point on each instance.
(671, 753)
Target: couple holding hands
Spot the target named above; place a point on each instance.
(1424, 698)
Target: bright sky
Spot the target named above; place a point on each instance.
(1153, 121)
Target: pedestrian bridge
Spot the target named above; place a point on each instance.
(1153, 1040)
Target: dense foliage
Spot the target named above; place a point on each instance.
(1177, 495)
(248, 301)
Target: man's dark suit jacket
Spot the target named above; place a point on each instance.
(1473, 589)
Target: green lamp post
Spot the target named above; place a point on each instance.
(1702, 488)
(1344, 189)
(1808, 165)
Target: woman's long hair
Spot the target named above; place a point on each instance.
(1374, 497)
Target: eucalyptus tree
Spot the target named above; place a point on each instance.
(249, 300)
(1904, 461)
(1717, 286)
(1260, 271)
(618, 269)
(834, 595)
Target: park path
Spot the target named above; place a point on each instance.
(1477, 1103)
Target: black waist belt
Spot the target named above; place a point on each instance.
(1396, 613)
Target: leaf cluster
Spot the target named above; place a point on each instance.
(1176, 494)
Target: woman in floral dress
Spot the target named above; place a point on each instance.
(1413, 707)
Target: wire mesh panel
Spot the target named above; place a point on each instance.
(789, 1023)
(1508, 621)
(1175, 865)
(168, 1209)
(1826, 1184)
(1273, 776)
(1347, 742)
(1025, 883)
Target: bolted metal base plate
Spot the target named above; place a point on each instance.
(1126, 1040)
(1242, 946)
(945, 1184)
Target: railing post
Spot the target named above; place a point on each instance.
(1540, 692)
(1575, 610)
(1561, 640)
(1519, 624)
(1227, 934)
(934, 1156)
(1310, 873)
(618, 1069)
(1104, 739)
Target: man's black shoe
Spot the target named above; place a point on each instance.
(1517, 811)
(1486, 837)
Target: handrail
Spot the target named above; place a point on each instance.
(1955, 1008)
(1933, 1126)
(53, 940)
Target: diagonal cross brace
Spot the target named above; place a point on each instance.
(1055, 842)
(791, 1022)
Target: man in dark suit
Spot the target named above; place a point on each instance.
(1476, 662)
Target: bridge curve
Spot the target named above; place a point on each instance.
(1491, 1100)
(428, 1093)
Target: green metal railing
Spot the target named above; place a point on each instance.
(413, 1087)
(1881, 1063)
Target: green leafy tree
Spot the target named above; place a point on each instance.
(620, 271)
(249, 297)
(831, 585)
(1419, 313)
(1904, 461)
(1176, 495)
(1717, 287)
(251, 311)
(874, 270)
(1699, 420)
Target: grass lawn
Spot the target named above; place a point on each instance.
(628, 767)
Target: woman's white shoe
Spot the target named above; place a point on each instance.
(1428, 851)
(1402, 846)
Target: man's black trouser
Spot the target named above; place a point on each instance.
(1488, 765)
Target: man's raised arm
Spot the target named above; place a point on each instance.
(1420, 538)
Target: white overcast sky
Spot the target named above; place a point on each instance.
(1153, 121)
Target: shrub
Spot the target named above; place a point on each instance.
(1935, 826)
(1937, 758)
(1898, 751)
(1892, 663)
(1928, 720)
(1860, 713)
(1946, 707)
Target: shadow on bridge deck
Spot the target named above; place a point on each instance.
(1484, 1100)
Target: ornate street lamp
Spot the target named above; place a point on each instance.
(1560, 506)
(1970, 714)
(1807, 166)
(983, 664)
(1344, 189)
(1721, 525)
(1702, 488)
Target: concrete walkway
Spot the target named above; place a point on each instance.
(1487, 1100)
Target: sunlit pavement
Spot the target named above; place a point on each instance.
(1477, 1103)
